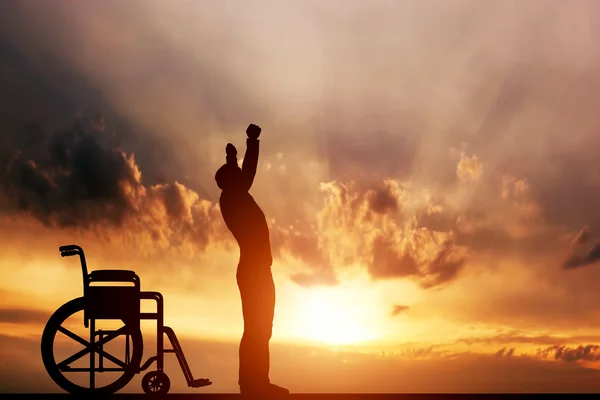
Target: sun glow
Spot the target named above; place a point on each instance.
(334, 317)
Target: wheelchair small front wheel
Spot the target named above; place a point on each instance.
(156, 382)
(78, 366)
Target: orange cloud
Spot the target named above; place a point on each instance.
(469, 169)
(366, 226)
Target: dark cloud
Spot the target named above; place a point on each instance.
(515, 337)
(588, 352)
(445, 267)
(388, 262)
(591, 257)
(399, 309)
(583, 236)
(42, 89)
(68, 179)
(382, 200)
(72, 178)
(504, 352)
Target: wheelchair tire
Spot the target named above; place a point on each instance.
(47, 348)
(156, 382)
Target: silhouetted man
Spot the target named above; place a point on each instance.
(248, 224)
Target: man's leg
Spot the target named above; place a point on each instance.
(258, 305)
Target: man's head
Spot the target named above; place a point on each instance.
(229, 176)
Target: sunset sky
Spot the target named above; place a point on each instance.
(429, 168)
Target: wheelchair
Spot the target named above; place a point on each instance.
(112, 297)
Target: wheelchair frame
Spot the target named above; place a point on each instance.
(113, 302)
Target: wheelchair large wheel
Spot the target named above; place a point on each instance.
(78, 370)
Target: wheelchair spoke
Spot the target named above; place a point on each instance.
(73, 336)
(85, 351)
(63, 364)
(112, 358)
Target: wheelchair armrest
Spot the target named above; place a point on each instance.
(113, 275)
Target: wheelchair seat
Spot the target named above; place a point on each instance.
(113, 275)
(113, 302)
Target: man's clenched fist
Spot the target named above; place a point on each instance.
(253, 131)
(231, 150)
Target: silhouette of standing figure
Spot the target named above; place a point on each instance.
(248, 224)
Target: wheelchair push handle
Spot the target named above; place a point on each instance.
(74, 250)
(70, 250)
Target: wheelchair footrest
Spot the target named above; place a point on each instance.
(196, 383)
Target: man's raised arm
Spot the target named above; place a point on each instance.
(250, 163)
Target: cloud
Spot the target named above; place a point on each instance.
(43, 93)
(389, 244)
(515, 106)
(69, 179)
(504, 217)
(518, 337)
(592, 257)
(415, 353)
(398, 230)
(583, 236)
(379, 226)
(469, 169)
(519, 195)
(588, 352)
(504, 352)
(383, 199)
(306, 248)
(23, 316)
(399, 309)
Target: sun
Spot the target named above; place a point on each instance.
(333, 317)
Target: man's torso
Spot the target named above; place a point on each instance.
(248, 224)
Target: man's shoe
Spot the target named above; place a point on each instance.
(269, 390)
(275, 390)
